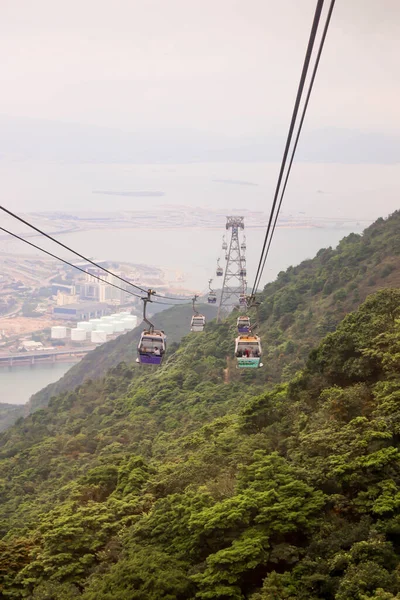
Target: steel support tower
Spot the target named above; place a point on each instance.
(233, 285)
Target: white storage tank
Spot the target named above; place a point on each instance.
(85, 325)
(128, 325)
(95, 323)
(98, 337)
(58, 332)
(107, 319)
(130, 322)
(108, 328)
(119, 326)
(78, 335)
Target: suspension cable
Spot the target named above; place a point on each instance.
(321, 45)
(306, 63)
(66, 261)
(18, 237)
(41, 232)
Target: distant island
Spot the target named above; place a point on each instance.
(144, 194)
(235, 182)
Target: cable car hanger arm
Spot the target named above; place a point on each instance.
(145, 301)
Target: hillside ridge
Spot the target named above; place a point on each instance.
(302, 305)
(174, 484)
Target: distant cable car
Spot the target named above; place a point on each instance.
(242, 300)
(224, 244)
(243, 271)
(243, 244)
(226, 256)
(212, 296)
(219, 270)
(198, 323)
(243, 324)
(248, 351)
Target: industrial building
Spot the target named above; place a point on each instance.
(62, 287)
(82, 311)
(94, 289)
(62, 299)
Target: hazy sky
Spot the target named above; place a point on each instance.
(221, 66)
(109, 94)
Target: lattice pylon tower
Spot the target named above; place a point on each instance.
(233, 285)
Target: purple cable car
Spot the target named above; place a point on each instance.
(242, 300)
(243, 324)
(151, 347)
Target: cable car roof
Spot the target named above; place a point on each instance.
(153, 334)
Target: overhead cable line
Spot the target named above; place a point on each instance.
(18, 237)
(310, 87)
(15, 216)
(306, 64)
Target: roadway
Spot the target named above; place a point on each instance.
(44, 354)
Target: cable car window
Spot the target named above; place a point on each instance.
(252, 345)
(149, 344)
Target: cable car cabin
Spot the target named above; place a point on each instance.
(224, 246)
(212, 298)
(219, 271)
(243, 272)
(243, 246)
(242, 300)
(198, 323)
(243, 324)
(248, 352)
(151, 347)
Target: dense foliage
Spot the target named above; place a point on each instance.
(122, 349)
(198, 481)
(185, 483)
(303, 304)
(95, 364)
(9, 413)
(308, 301)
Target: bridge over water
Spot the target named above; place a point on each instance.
(42, 356)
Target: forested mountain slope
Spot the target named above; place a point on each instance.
(298, 309)
(308, 301)
(9, 413)
(175, 321)
(182, 484)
